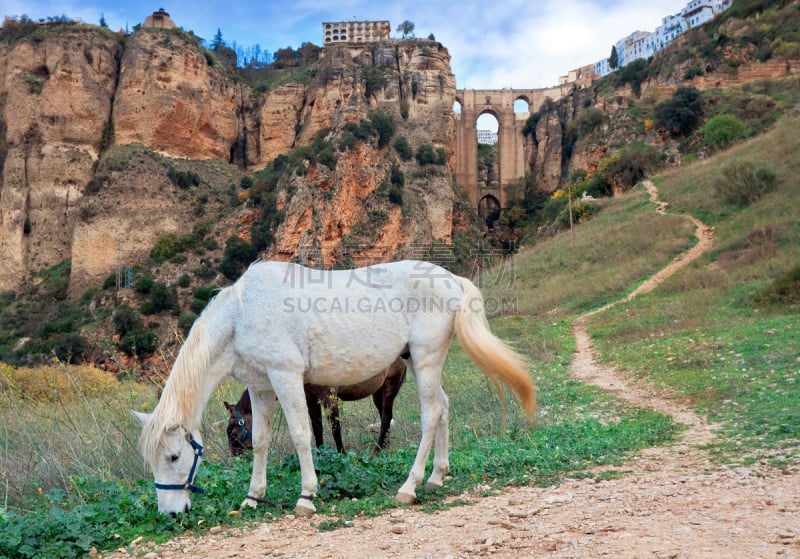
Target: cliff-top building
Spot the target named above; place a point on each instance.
(159, 19)
(337, 32)
(641, 44)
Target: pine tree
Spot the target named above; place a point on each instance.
(217, 41)
(613, 60)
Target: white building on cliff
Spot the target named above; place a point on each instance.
(641, 44)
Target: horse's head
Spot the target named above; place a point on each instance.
(173, 453)
(240, 429)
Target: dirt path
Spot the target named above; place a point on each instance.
(672, 501)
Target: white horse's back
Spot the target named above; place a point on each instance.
(343, 326)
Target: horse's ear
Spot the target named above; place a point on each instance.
(229, 407)
(142, 417)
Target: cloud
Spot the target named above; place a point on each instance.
(515, 43)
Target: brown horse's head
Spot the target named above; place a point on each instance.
(240, 425)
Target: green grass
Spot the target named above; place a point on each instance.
(578, 427)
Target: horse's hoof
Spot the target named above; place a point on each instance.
(433, 484)
(304, 508)
(405, 498)
(248, 502)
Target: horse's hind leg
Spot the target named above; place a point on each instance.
(441, 461)
(428, 380)
(263, 405)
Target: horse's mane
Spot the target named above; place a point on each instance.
(179, 397)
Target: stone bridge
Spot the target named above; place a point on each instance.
(514, 150)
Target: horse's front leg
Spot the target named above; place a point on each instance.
(263, 404)
(315, 413)
(383, 400)
(289, 388)
(336, 428)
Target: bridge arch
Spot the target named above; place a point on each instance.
(489, 209)
(514, 150)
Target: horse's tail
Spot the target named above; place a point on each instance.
(498, 361)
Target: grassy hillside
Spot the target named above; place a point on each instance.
(724, 333)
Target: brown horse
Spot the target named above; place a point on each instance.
(383, 388)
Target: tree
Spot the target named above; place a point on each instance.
(308, 53)
(285, 58)
(217, 41)
(103, 23)
(613, 60)
(407, 29)
(682, 113)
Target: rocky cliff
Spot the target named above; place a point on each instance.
(92, 122)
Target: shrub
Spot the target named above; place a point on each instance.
(68, 347)
(397, 177)
(427, 155)
(183, 179)
(94, 186)
(783, 291)
(598, 186)
(167, 246)
(403, 148)
(163, 298)
(682, 113)
(589, 120)
(723, 130)
(384, 126)
(185, 322)
(744, 182)
(374, 79)
(348, 141)
(238, 255)
(144, 285)
(138, 343)
(692, 72)
(126, 319)
(396, 196)
(634, 74)
(185, 280)
(52, 384)
(630, 165)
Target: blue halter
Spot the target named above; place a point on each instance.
(245, 434)
(189, 486)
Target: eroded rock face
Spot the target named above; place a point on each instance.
(172, 100)
(79, 95)
(338, 217)
(55, 102)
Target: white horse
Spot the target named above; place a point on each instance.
(282, 325)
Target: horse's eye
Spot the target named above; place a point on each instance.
(174, 457)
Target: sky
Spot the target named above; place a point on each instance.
(519, 44)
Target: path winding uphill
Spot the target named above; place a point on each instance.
(672, 503)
